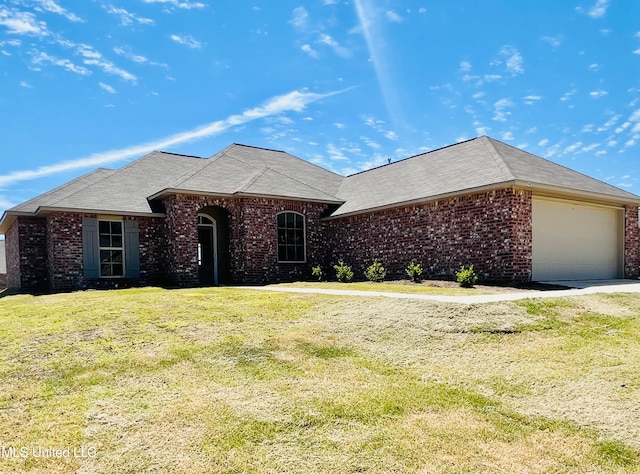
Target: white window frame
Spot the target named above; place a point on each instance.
(304, 237)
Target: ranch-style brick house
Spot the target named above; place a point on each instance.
(251, 215)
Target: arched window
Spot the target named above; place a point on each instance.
(291, 237)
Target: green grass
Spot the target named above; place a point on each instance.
(223, 380)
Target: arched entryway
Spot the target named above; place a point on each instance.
(213, 246)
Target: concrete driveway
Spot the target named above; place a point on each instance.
(584, 287)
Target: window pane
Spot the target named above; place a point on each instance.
(116, 241)
(117, 270)
(116, 228)
(116, 256)
(105, 240)
(290, 237)
(104, 227)
(105, 270)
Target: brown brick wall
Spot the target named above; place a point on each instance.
(491, 231)
(3, 281)
(631, 242)
(64, 243)
(12, 252)
(26, 251)
(252, 229)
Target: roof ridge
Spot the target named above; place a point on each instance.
(411, 157)
(195, 169)
(298, 181)
(562, 166)
(251, 179)
(488, 142)
(286, 153)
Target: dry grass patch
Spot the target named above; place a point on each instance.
(223, 381)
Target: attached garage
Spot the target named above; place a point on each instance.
(576, 241)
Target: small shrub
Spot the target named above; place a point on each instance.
(375, 272)
(317, 272)
(466, 277)
(344, 274)
(414, 270)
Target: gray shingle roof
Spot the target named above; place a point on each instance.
(456, 169)
(469, 165)
(248, 170)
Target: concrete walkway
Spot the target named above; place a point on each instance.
(614, 286)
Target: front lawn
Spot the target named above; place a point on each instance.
(235, 380)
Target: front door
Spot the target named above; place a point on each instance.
(207, 251)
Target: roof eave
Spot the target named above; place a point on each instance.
(422, 200)
(549, 189)
(171, 191)
(577, 193)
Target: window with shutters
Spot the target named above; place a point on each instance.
(111, 243)
(110, 247)
(291, 237)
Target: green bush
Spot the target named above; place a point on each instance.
(414, 271)
(344, 274)
(317, 272)
(375, 272)
(466, 277)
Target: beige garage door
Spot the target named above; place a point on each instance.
(576, 242)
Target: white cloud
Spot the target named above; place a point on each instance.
(393, 17)
(568, 95)
(178, 4)
(42, 57)
(513, 59)
(500, 112)
(508, 136)
(370, 143)
(572, 148)
(335, 153)
(492, 77)
(543, 142)
(127, 18)
(107, 87)
(591, 147)
(531, 99)
(554, 41)
(53, 7)
(593, 67)
(637, 51)
(391, 135)
(309, 50)
(597, 94)
(95, 58)
(26, 85)
(22, 23)
(299, 18)
(339, 125)
(610, 123)
(295, 101)
(598, 10)
(187, 40)
(465, 66)
(333, 44)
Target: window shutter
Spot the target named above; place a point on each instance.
(131, 249)
(91, 260)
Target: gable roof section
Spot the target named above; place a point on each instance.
(476, 164)
(243, 170)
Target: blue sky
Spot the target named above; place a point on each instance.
(346, 84)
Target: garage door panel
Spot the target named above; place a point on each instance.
(575, 241)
